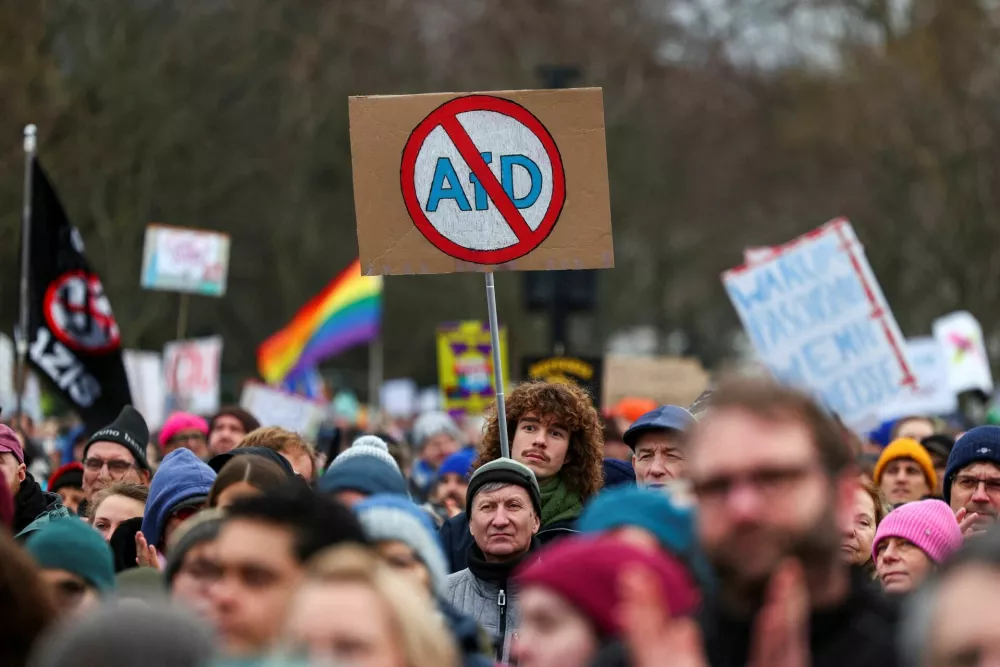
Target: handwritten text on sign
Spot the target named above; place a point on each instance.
(818, 319)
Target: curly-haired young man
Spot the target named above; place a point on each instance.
(554, 430)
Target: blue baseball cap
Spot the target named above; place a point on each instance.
(663, 418)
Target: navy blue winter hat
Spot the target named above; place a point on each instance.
(663, 418)
(618, 473)
(979, 444)
(365, 474)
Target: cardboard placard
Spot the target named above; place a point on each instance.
(585, 372)
(273, 407)
(145, 380)
(510, 180)
(818, 319)
(666, 380)
(465, 367)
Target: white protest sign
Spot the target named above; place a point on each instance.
(145, 381)
(8, 399)
(398, 398)
(962, 339)
(818, 319)
(191, 375)
(178, 259)
(274, 407)
(933, 394)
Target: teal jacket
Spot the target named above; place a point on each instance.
(34, 508)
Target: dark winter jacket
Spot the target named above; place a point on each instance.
(456, 538)
(33, 508)
(485, 592)
(859, 632)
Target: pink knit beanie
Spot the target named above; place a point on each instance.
(182, 421)
(929, 524)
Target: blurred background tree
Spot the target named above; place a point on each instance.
(729, 123)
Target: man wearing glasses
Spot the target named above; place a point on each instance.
(116, 452)
(972, 479)
(772, 477)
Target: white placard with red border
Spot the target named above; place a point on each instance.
(191, 371)
(961, 338)
(818, 319)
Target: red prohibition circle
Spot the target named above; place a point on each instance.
(445, 116)
(92, 284)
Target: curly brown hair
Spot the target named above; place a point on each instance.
(584, 469)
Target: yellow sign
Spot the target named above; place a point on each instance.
(465, 367)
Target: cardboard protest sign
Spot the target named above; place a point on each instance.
(513, 180)
(666, 380)
(585, 372)
(465, 367)
(818, 319)
(178, 259)
(933, 394)
(961, 337)
(191, 375)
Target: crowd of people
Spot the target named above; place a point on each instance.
(761, 532)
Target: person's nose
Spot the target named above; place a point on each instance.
(849, 531)
(743, 501)
(890, 555)
(980, 495)
(658, 467)
(501, 519)
(539, 439)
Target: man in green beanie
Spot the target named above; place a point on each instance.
(76, 563)
(555, 431)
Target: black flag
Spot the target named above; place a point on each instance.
(73, 337)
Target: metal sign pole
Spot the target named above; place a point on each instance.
(491, 303)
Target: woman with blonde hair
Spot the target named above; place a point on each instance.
(355, 609)
(869, 509)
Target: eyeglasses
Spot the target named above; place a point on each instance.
(116, 468)
(188, 437)
(184, 513)
(771, 483)
(969, 484)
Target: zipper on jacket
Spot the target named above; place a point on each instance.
(502, 625)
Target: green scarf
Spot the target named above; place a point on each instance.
(558, 502)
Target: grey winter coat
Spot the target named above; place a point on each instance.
(485, 591)
(492, 603)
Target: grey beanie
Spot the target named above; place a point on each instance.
(505, 471)
(366, 445)
(431, 424)
(203, 527)
(387, 518)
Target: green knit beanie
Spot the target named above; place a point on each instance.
(70, 544)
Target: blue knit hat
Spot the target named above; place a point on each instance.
(70, 544)
(979, 444)
(365, 474)
(653, 511)
(459, 463)
(394, 518)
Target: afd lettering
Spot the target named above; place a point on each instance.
(64, 369)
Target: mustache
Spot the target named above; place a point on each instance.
(537, 452)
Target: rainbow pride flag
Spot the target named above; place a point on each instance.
(346, 313)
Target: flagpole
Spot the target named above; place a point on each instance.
(374, 375)
(30, 149)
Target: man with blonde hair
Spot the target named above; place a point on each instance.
(292, 446)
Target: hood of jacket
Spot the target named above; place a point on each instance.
(181, 476)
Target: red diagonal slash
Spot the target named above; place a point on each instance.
(467, 149)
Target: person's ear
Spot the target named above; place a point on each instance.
(22, 472)
(144, 475)
(536, 523)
